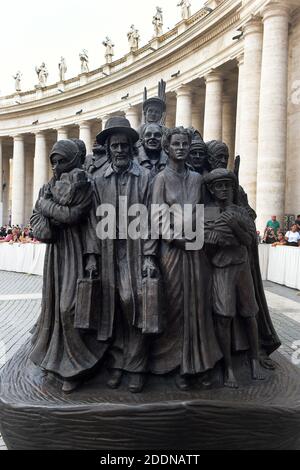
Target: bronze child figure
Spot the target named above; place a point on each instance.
(230, 231)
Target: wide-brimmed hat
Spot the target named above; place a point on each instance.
(115, 125)
(220, 174)
(154, 100)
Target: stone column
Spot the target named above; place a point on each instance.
(29, 180)
(1, 184)
(240, 63)
(171, 115)
(292, 201)
(85, 134)
(228, 125)
(40, 165)
(62, 133)
(273, 114)
(5, 193)
(184, 106)
(104, 120)
(18, 183)
(198, 113)
(213, 107)
(132, 114)
(253, 41)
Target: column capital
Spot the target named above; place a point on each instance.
(253, 26)
(184, 90)
(275, 8)
(131, 109)
(18, 137)
(84, 124)
(240, 60)
(39, 133)
(213, 76)
(60, 128)
(104, 118)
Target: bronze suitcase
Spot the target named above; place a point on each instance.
(88, 304)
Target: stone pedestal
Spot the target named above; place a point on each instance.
(83, 79)
(35, 414)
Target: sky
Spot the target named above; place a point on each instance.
(35, 31)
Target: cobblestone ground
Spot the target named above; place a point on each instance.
(20, 300)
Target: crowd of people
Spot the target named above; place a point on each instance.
(275, 236)
(17, 234)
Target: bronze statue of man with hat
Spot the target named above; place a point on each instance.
(120, 259)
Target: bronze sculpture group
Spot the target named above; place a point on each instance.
(148, 306)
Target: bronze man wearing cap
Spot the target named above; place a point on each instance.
(229, 232)
(151, 154)
(153, 109)
(121, 261)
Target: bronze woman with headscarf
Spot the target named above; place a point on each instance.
(58, 346)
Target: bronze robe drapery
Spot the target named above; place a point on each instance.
(58, 347)
(121, 271)
(188, 341)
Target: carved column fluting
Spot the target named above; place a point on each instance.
(240, 63)
(40, 165)
(273, 114)
(85, 134)
(213, 106)
(228, 125)
(62, 133)
(18, 183)
(132, 114)
(184, 106)
(253, 42)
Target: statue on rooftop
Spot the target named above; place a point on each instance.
(158, 22)
(62, 67)
(133, 38)
(84, 59)
(17, 79)
(42, 74)
(185, 9)
(109, 51)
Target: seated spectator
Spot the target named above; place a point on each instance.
(259, 240)
(269, 237)
(16, 235)
(297, 222)
(274, 224)
(293, 236)
(3, 232)
(9, 237)
(24, 237)
(281, 240)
